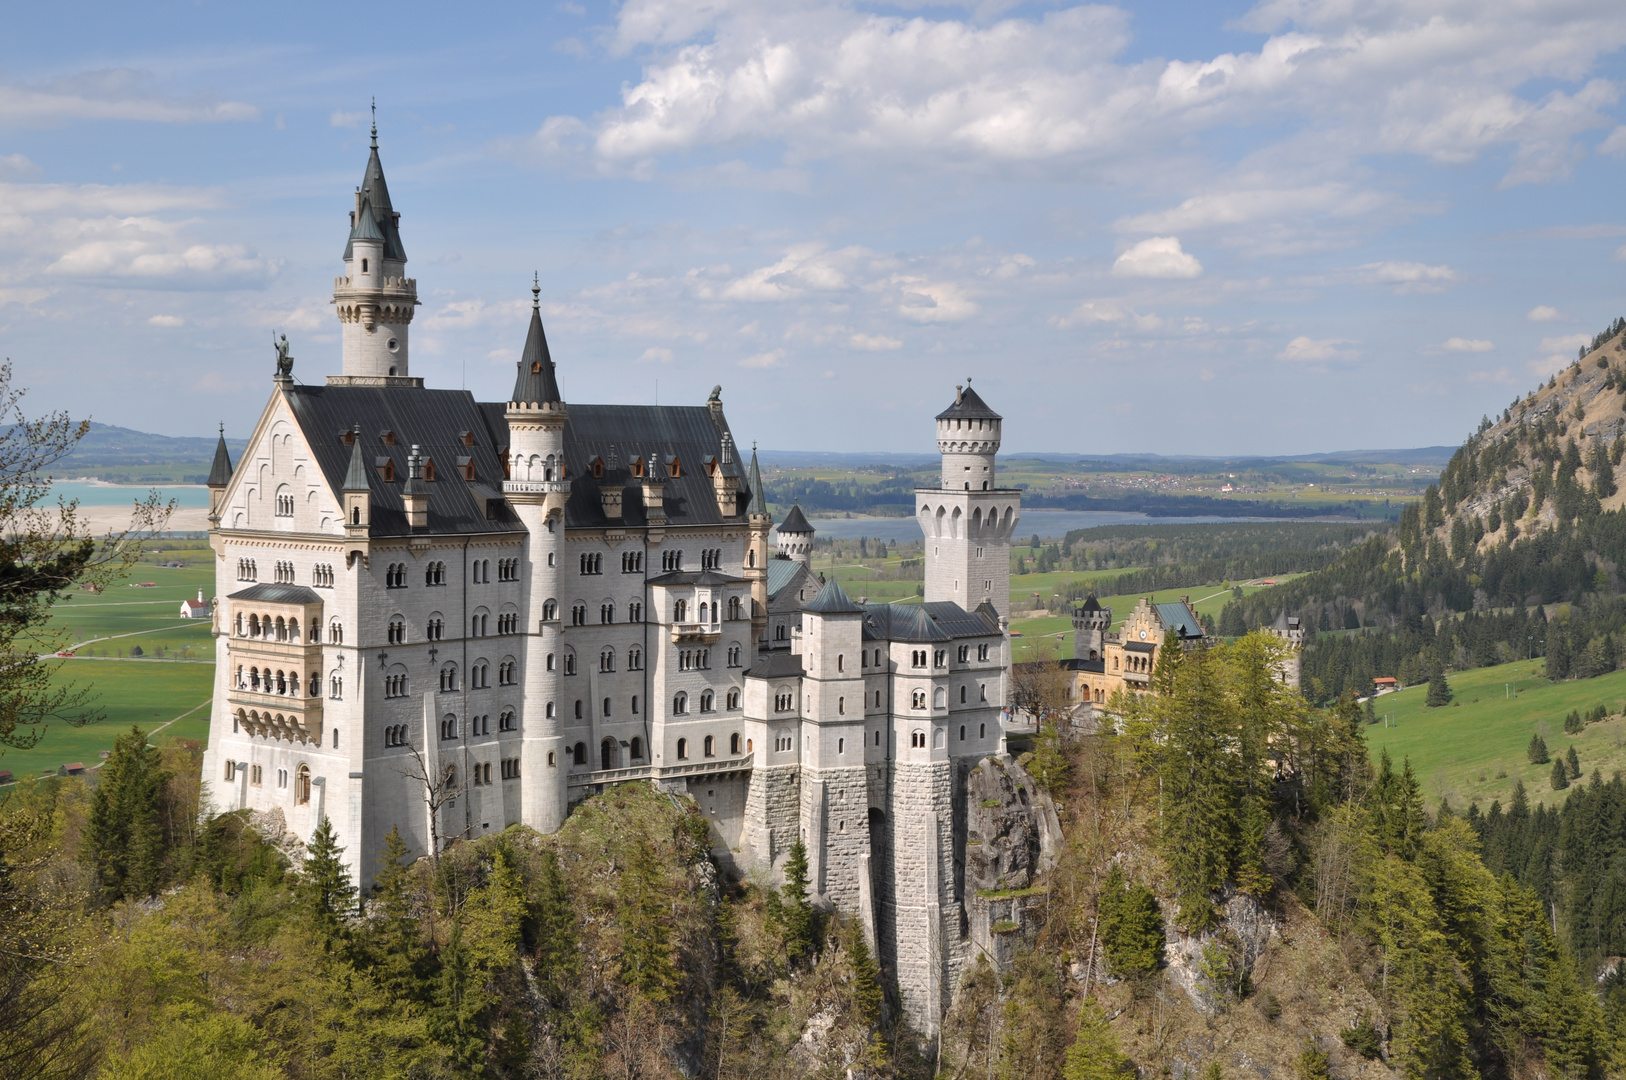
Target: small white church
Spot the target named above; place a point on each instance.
(448, 616)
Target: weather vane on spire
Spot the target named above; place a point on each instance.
(375, 122)
(536, 291)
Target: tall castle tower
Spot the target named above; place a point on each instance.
(968, 521)
(1090, 625)
(374, 299)
(537, 489)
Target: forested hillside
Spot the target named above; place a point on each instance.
(1519, 549)
(1239, 892)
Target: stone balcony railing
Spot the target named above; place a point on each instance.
(696, 631)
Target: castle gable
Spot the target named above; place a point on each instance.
(278, 484)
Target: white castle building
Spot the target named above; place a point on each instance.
(448, 616)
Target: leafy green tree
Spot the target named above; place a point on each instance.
(124, 835)
(1560, 777)
(1130, 926)
(323, 886)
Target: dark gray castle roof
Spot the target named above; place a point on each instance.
(271, 593)
(220, 471)
(375, 194)
(832, 600)
(430, 418)
(968, 406)
(942, 620)
(536, 384)
(795, 521)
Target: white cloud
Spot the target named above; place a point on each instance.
(1566, 344)
(340, 119)
(1157, 257)
(1111, 312)
(1310, 350)
(1543, 313)
(923, 301)
(764, 359)
(111, 95)
(1408, 276)
(656, 354)
(167, 321)
(17, 165)
(874, 343)
(1457, 344)
(805, 268)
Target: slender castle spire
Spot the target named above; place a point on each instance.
(536, 383)
(375, 300)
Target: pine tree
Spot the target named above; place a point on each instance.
(1439, 691)
(557, 945)
(124, 835)
(1572, 762)
(1560, 777)
(1130, 926)
(1537, 751)
(796, 915)
(646, 948)
(326, 895)
(866, 978)
(1094, 1054)
(392, 944)
(1197, 824)
(1603, 473)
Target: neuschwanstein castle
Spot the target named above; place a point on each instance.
(449, 616)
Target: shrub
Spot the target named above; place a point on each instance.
(1312, 1064)
(1363, 1038)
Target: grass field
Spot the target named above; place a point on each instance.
(1459, 750)
(147, 693)
(175, 676)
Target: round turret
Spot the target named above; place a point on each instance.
(968, 438)
(796, 536)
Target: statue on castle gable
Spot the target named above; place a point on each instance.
(285, 362)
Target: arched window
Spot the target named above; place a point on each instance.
(636, 750)
(733, 608)
(579, 753)
(605, 712)
(733, 700)
(680, 611)
(606, 754)
(335, 632)
(917, 739)
(635, 659)
(683, 749)
(241, 626)
(841, 662)
(302, 785)
(703, 609)
(917, 700)
(606, 659)
(550, 610)
(841, 746)
(711, 747)
(734, 743)
(680, 703)
(940, 698)
(706, 701)
(397, 630)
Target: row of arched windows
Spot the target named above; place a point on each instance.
(267, 681)
(708, 746)
(269, 629)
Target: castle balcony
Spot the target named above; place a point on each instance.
(403, 287)
(696, 631)
(687, 770)
(536, 487)
(276, 716)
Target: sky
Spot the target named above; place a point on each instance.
(1169, 227)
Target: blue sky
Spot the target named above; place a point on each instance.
(1286, 227)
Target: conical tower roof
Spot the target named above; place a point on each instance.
(833, 600)
(355, 478)
(220, 471)
(375, 193)
(759, 501)
(536, 384)
(795, 521)
(968, 406)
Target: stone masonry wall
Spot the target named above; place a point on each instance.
(772, 805)
(925, 918)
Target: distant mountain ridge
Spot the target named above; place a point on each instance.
(1420, 455)
(107, 444)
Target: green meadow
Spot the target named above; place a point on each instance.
(173, 678)
(1475, 748)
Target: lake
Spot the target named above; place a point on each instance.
(92, 494)
(1048, 524)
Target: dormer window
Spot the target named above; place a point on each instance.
(536, 367)
(466, 437)
(429, 469)
(597, 465)
(347, 437)
(466, 465)
(386, 469)
(673, 469)
(638, 467)
(387, 438)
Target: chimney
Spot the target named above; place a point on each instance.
(724, 485)
(610, 489)
(416, 493)
(655, 491)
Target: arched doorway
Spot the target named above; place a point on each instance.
(606, 754)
